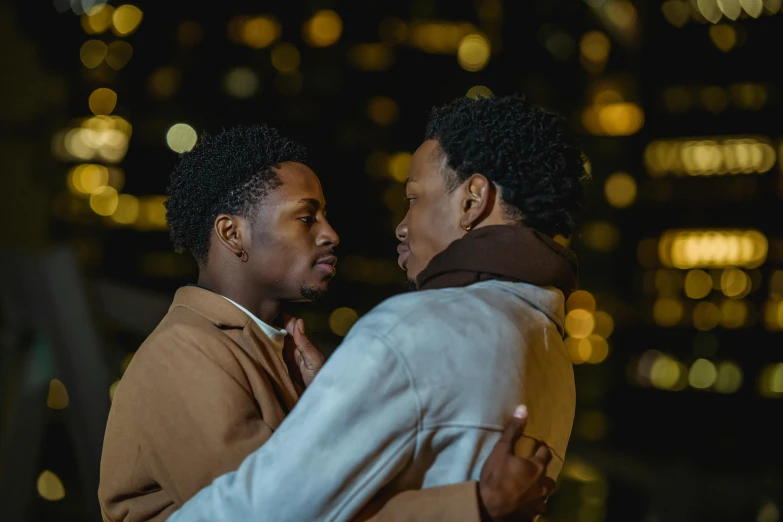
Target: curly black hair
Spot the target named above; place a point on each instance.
(230, 173)
(523, 149)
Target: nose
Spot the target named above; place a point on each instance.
(327, 236)
(402, 229)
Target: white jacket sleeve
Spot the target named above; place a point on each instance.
(352, 432)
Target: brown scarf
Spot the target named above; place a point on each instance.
(504, 252)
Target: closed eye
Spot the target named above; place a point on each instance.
(307, 219)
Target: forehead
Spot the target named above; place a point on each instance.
(298, 182)
(427, 162)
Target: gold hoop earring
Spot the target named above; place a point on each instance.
(242, 256)
(467, 227)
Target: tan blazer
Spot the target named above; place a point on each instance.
(202, 392)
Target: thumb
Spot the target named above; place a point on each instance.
(513, 430)
(304, 346)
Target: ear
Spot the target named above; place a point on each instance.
(478, 194)
(229, 232)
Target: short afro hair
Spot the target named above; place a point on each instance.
(520, 147)
(229, 173)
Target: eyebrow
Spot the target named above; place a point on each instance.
(311, 202)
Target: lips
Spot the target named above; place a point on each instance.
(327, 264)
(404, 253)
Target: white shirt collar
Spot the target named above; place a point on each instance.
(276, 336)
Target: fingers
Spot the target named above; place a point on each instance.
(547, 487)
(542, 455)
(304, 347)
(290, 323)
(513, 430)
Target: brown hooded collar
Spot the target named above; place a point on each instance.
(504, 252)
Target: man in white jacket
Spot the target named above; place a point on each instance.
(417, 394)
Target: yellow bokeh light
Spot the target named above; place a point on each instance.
(113, 389)
(754, 7)
(398, 166)
(323, 29)
(698, 284)
(706, 316)
(620, 190)
(102, 101)
(241, 82)
(667, 312)
(57, 399)
(712, 248)
(473, 52)
(614, 119)
(599, 349)
(735, 283)
(702, 374)
(152, 213)
(676, 12)
(86, 179)
(622, 14)
(579, 323)
(580, 299)
(729, 378)
(181, 137)
(127, 210)
(479, 91)
(118, 54)
(104, 201)
(715, 99)
(382, 110)
(723, 36)
(776, 379)
(164, 82)
(50, 487)
(259, 31)
(341, 320)
(710, 157)
(371, 56)
(126, 19)
(285, 57)
(665, 373)
(600, 235)
(594, 49)
(604, 324)
(773, 314)
(776, 284)
(92, 53)
(98, 19)
(668, 282)
(731, 8)
(572, 346)
(710, 10)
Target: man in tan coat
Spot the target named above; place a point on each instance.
(211, 384)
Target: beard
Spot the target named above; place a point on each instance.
(410, 285)
(311, 293)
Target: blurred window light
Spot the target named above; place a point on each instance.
(241, 82)
(189, 33)
(57, 399)
(723, 36)
(714, 99)
(702, 374)
(729, 378)
(371, 56)
(104, 201)
(50, 487)
(98, 19)
(594, 48)
(285, 58)
(620, 190)
(613, 119)
(667, 312)
(323, 29)
(393, 30)
(697, 248)
(709, 157)
(92, 53)
(341, 320)
(735, 283)
(256, 32)
(600, 235)
(773, 315)
(102, 101)
(289, 84)
(734, 314)
(164, 82)
(730, 8)
(676, 12)
(604, 324)
(382, 110)
(398, 166)
(579, 323)
(181, 137)
(126, 19)
(479, 91)
(127, 210)
(580, 300)
(706, 316)
(698, 284)
(118, 54)
(473, 52)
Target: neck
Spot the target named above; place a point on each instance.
(266, 309)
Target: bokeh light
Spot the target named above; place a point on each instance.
(98, 19)
(127, 210)
(50, 487)
(241, 82)
(382, 110)
(92, 53)
(702, 374)
(620, 189)
(323, 29)
(102, 101)
(118, 54)
(479, 91)
(698, 284)
(581, 299)
(104, 201)
(181, 137)
(473, 52)
(126, 19)
(579, 323)
(257, 32)
(285, 57)
(729, 378)
(57, 399)
(341, 320)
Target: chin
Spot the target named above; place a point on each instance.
(313, 293)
